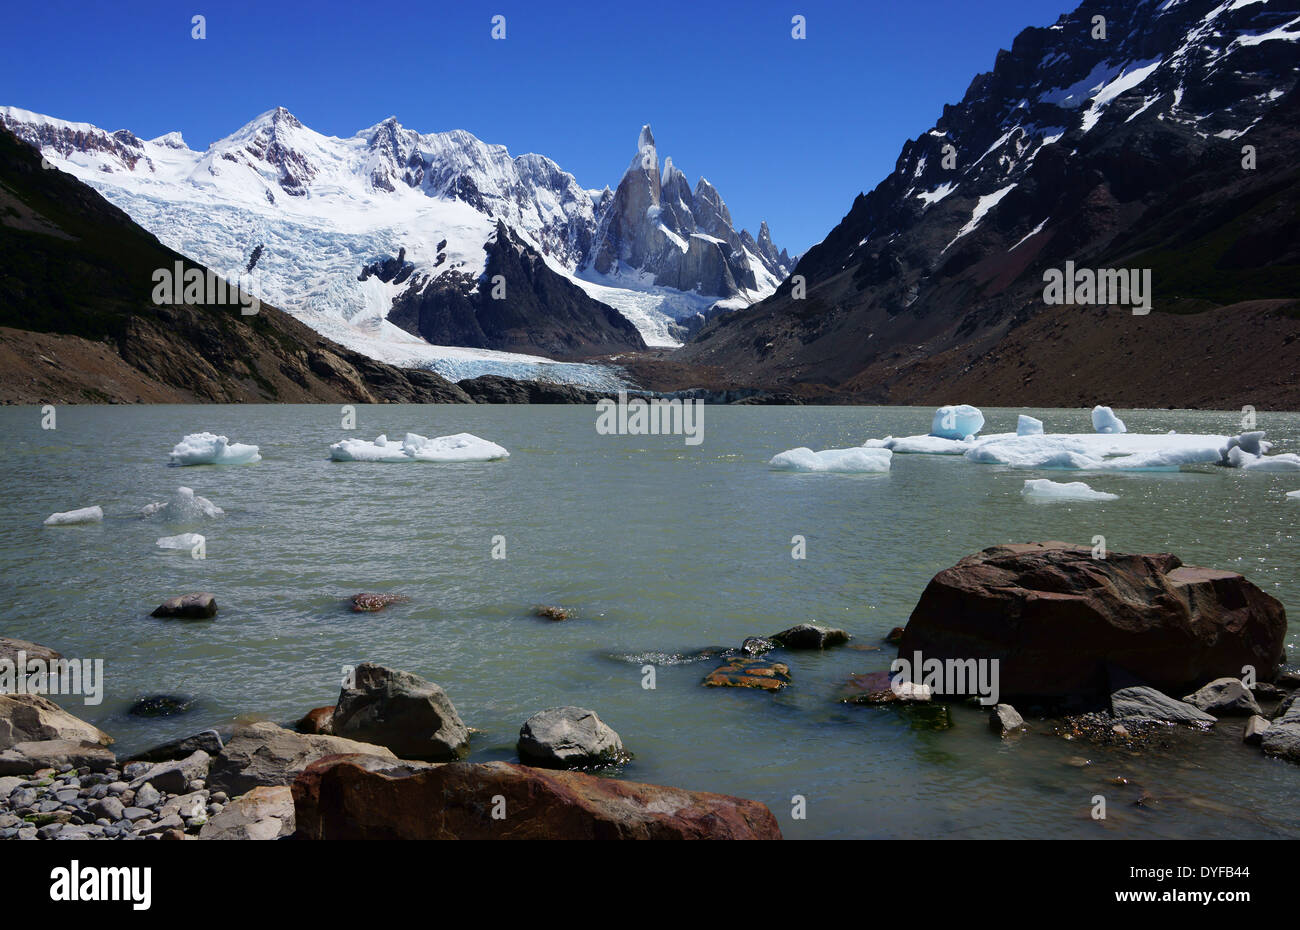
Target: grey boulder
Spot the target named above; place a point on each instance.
(1225, 697)
(403, 712)
(1149, 704)
(568, 737)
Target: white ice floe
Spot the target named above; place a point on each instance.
(1098, 451)
(1105, 421)
(1043, 489)
(1029, 426)
(856, 460)
(1293, 495)
(957, 422)
(208, 449)
(184, 506)
(920, 445)
(1287, 461)
(73, 517)
(183, 541)
(462, 447)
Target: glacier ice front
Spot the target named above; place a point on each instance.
(462, 447)
(858, 460)
(957, 422)
(210, 449)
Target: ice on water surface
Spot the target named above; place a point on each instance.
(859, 460)
(209, 449)
(462, 447)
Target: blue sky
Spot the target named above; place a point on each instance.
(789, 131)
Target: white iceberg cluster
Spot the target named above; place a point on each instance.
(209, 449)
(1105, 421)
(843, 461)
(184, 507)
(73, 517)
(1043, 489)
(1250, 451)
(183, 541)
(462, 447)
(957, 422)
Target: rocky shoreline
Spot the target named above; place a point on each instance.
(1115, 651)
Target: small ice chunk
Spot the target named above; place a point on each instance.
(1105, 421)
(1252, 444)
(73, 517)
(209, 449)
(1029, 426)
(1293, 495)
(184, 506)
(1239, 458)
(957, 422)
(462, 447)
(183, 541)
(1043, 489)
(857, 460)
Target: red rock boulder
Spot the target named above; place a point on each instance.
(1064, 624)
(350, 797)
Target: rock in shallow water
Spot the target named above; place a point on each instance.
(809, 636)
(161, 705)
(369, 603)
(1225, 697)
(749, 672)
(412, 717)
(1060, 621)
(569, 737)
(341, 799)
(1149, 704)
(201, 606)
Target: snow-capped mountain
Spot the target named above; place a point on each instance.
(1113, 138)
(381, 241)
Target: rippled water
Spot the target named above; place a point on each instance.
(660, 547)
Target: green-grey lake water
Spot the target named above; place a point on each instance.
(659, 547)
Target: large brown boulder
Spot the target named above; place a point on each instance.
(1064, 624)
(347, 798)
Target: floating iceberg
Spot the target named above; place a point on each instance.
(1237, 458)
(857, 460)
(73, 517)
(1293, 495)
(1105, 421)
(208, 449)
(1098, 452)
(957, 422)
(183, 541)
(462, 447)
(1251, 443)
(185, 506)
(1029, 426)
(920, 445)
(1043, 489)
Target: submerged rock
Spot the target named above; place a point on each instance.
(200, 606)
(880, 688)
(552, 613)
(161, 705)
(809, 636)
(1282, 737)
(412, 717)
(369, 603)
(1060, 622)
(569, 737)
(346, 798)
(756, 646)
(749, 672)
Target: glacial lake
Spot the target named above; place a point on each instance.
(660, 548)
